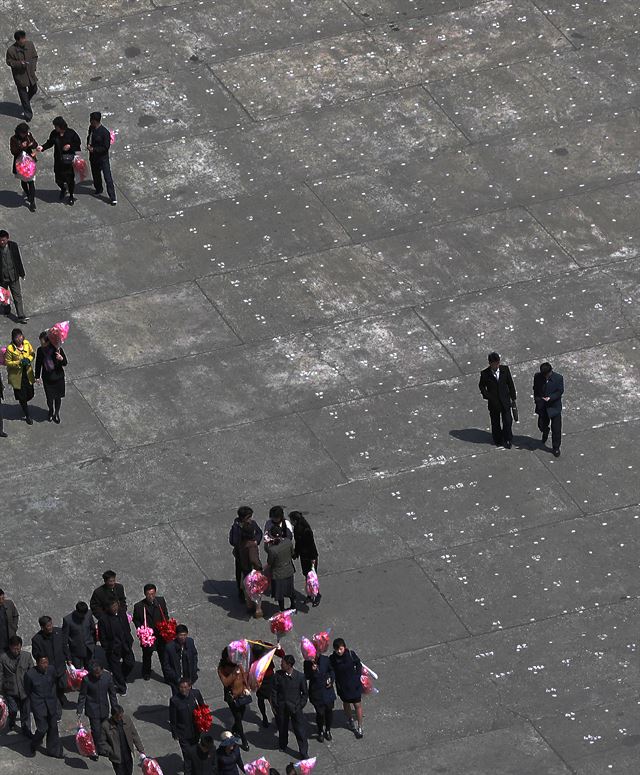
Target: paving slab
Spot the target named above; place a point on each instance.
(305, 292)
(594, 21)
(43, 15)
(379, 10)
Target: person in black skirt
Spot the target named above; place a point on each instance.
(18, 359)
(280, 561)
(305, 548)
(50, 363)
(65, 143)
(322, 695)
(24, 142)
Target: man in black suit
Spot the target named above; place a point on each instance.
(181, 707)
(180, 659)
(104, 594)
(40, 685)
(548, 387)
(11, 272)
(115, 635)
(51, 643)
(96, 700)
(289, 695)
(497, 388)
(149, 612)
(80, 632)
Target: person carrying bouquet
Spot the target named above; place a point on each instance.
(149, 612)
(50, 363)
(23, 143)
(18, 359)
(66, 144)
(250, 560)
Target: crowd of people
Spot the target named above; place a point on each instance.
(97, 639)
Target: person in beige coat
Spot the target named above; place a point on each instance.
(22, 58)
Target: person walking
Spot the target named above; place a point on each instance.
(22, 58)
(14, 664)
(244, 514)
(120, 739)
(183, 729)
(115, 636)
(319, 673)
(305, 548)
(347, 669)
(50, 364)
(96, 700)
(11, 272)
(258, 649)
(80, 633)
(106, 593)
(237, 695)
(289, 695)
(180, 659)
(98, 144)
(249, 557)
(228, 757)
(9, 618)
(23, 142)
(280, 561)
(40, 685)
(65, 143)
(548, 387)
(149, 612)
(498, 390)
(202, 756)
(50, 642)
(18, 359)
(3, 433)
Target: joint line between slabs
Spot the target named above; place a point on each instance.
(326, 207)
(445, 114)
(553, 238)
(550, 746)
(443, 597)
(187, 550)
(95, 416)
(218, 312)
(227, 90)
(322, 446)
(429, 328)
(536, 5)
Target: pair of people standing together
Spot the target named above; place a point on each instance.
(498, 389)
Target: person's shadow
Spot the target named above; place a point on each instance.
(153, 714)
(14, 412)
(480, 436)
(224, 594)
(11, 109)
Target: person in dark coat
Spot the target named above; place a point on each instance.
(249, 557)
(21, 142)
(347, 669)
(96, 700)
(228, 757)
(305, 548)
(8, 620)
(65, 143)
(498, 390)
(104, 594)
(244, 514)
(115, 636)
(11, 272)
(149, 612)
(40, 685)
(98, 144)
(22, 58)
(237, 695)
(3, 433)
(202, 756)
(50, 364)
(120, 739)
(289, 695)
(14, 664)
(180, 659)
(263, 695)
(548, 387)
(276, 519)
(322, 696)
(280, 561)
(80, 632)
(51, 642)
(183, 729)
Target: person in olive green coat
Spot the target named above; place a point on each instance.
(18, 360)
(280, 561)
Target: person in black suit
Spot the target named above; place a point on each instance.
(40, 685)
(98, 144)
(80, 632)
(115, 636)
(149, 612)
(322, 695)
(104, 594)
(96, 700)
(51, 642)
(497, 388)
(289, 695)
(202, 756)
(180, 659)
(181, 707)
(548, 387)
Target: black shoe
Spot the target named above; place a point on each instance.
(320, 737)
(146, 677)
(245, 745)
(556, 453)
(545, 436)
(56, 419)
(32, 207)
(94, 758)
(56, 755)
(316, 602)
(3, 435)
(282, 750)
(113, 202)
(507, 444)
(30, 753)
(62, 195)
(265, 721)
(24, 319)
(328, 735)
(72, 200)
(97, 193)
(50, 416)
(28, 420)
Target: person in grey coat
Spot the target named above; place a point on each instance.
(96, 700)
(11, 272)
(8, 619)
(40, 685)
(80, 632)
(548, 387)
(120, 738)
(289, 695)
(22, 58)
(14, 664)
(280, 561)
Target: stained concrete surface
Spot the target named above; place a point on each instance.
(328, 213)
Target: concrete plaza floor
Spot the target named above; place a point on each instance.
(328, 213)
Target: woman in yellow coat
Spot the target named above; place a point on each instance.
(19, 359)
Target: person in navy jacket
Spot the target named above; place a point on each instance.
(548, 387)
(180, 659)
(322, 695)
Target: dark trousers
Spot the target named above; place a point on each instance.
(26, 93)
(147, 653)
(15, 704)
(120, 666)
(47, 724)
(556, 428)
(126, 767)
(239, 576)
(1, 420)
(100, 167)
(501, 422)
(324, 717)
(283, 716)
(81, 662)
(65, 179)
(238, 714)
(29, 189)
(184, 747)
(16, 293)
(96, 731)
